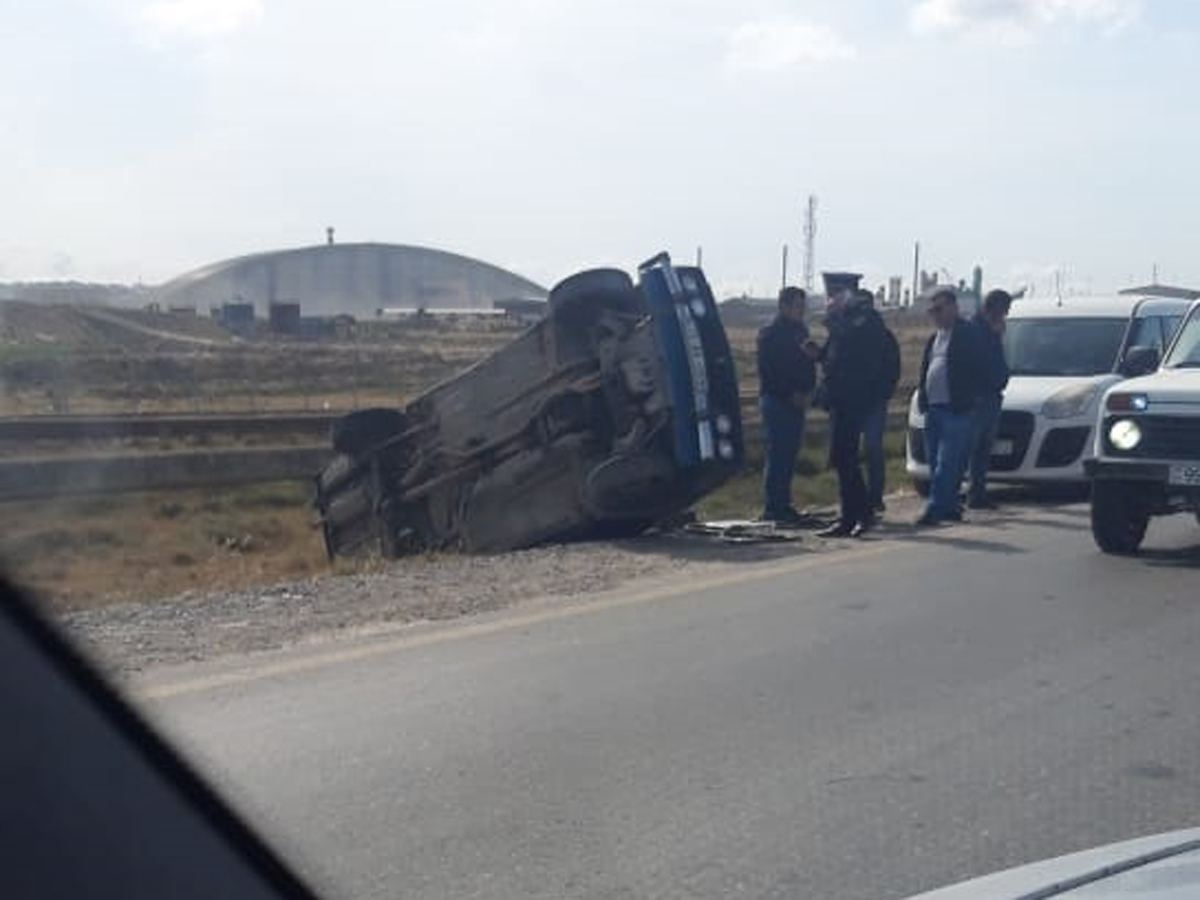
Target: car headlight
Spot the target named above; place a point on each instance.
(1125, 434)
(1122, 402)
(725, 449)
(1069, 402)
(724, 424)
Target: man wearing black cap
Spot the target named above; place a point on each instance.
(856, 379)
(786, 375)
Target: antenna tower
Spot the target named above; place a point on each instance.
(810, 241)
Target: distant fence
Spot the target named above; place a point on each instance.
(75, 475)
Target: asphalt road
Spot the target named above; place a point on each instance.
(870, 723)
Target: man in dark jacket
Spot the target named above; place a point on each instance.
(951, 375)
(989, 331)
(856, 376)
(786, 377)
(875, 425)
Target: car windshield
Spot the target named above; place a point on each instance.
(1185, 353)
(1063, 346)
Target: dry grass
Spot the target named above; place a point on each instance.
(381, 367)
(85, 552)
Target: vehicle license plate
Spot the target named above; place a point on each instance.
(1186, 474)
(1002, 447)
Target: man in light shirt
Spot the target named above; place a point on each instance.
(949, 384)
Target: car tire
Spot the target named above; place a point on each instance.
(359, 432)
(1119, 517)
(921, 486)
(606, 287)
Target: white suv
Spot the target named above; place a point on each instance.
(1147, 448)
(1063, 356)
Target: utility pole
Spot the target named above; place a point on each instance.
(783, 279)
(1154, 279)
(699, 257)
(810, 241)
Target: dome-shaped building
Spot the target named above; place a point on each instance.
(359, 279)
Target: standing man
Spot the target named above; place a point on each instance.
(854, 360)
(786, 377)
(989, 325)
(947, 391)
(875, 424)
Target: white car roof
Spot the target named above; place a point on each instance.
(1112, 306)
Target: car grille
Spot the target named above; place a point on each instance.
(1163, 437)
(1062, 446)
(1018, 428)
(916, 443)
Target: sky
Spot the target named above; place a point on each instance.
(142, 138)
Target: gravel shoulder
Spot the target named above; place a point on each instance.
(201, 625)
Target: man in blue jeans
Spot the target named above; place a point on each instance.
(786, 376)
(989, 327)
(951, 375)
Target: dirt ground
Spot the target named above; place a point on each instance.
(66, 360)
(78, 553)
(85, 553)
(201, 624)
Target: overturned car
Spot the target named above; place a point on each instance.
(615, 412)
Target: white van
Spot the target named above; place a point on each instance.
(1063, 354)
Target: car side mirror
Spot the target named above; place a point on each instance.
(1140, 361)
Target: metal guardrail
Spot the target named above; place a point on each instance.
(75, 475)
(55, 476)
(88, 427)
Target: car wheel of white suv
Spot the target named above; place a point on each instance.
(1119, 517)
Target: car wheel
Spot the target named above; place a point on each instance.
(608, 287)
(921, 486)
(1119, 517)
(358, 432)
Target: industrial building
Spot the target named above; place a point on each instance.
(355, 279)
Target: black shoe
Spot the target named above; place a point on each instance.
(927, 521)
(862, 528)
(879, 507)
(982, 503)
(787, 518)
(838, 530)
(956, 516)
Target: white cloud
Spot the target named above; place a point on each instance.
(199, 18)
(778, 44)
(1017, 21)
